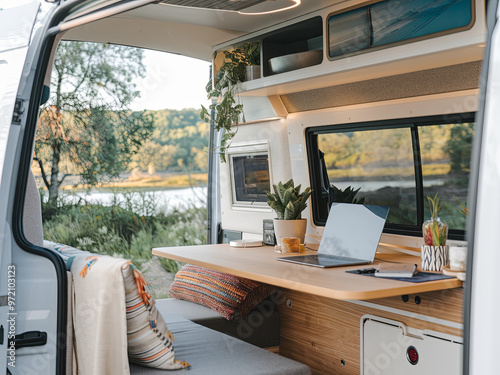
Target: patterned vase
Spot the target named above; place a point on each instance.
(434, 258)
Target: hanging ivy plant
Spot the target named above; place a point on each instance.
(228, 112)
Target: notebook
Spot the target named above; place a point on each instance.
(351, 236)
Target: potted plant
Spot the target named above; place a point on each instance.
(347, 195)
(288, 203)
(435, 231)
(252, 59)
(227, 110)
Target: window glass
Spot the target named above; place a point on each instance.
(377, 162)
(394, 21)
(446, 151)
(349, 32)
(251, 178)
(395, 163)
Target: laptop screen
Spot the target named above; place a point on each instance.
(353, 230)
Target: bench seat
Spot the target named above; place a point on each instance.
(260, 327)
(213, 353)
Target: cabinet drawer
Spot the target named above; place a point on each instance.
(443, 304)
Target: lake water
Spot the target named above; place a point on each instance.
(162, 200)
(376, 185)
(168, 199)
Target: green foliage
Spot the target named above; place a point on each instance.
(178, 141)
(287, 200)
(435, 230)
(445, 149)
(227, 111)
(435, 205)
(463, 207)
(252, 53)
(459, 147)
(86, 127)
(347, 195)
(119, 231)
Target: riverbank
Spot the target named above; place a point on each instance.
(160, 180)
(136, 181)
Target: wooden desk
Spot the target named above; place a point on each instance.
(320, 321)
(260, 264)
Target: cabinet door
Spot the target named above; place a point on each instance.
(390, 348)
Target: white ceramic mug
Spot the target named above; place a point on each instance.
(457, 257)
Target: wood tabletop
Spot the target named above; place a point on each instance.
(260, 264)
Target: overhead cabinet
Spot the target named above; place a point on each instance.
(331, 40)
(293, 47)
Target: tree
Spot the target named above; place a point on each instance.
(459, 147)
(86, 128)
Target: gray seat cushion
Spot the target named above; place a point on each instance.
(210, 352)
(260, 327)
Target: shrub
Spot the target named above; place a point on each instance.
(118, 230)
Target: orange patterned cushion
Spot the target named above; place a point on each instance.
(231, 296)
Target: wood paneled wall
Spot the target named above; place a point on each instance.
(325, 333)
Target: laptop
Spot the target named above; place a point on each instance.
(351, 236)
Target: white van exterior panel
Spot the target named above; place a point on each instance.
(484, 303)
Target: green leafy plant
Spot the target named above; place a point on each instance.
(435, 230)
(287, 200)
(252, 53)
(463, 210)
(227, 110)
(347, 195)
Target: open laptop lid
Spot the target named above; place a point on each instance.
(353, 230)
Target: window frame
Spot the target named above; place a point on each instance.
(318, 206)
(252, 148)
(394, 44)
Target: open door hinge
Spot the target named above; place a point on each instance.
(18, 112)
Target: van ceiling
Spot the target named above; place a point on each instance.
(215, 4)
(185, 30)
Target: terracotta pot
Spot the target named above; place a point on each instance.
(290, 228)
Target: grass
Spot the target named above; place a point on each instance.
(407, 171)
(118, 230)
(153, 181)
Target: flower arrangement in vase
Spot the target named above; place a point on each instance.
(435, 231)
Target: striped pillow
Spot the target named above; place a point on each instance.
(149, 340)
(231, 296)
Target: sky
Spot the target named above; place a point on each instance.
(172, 82)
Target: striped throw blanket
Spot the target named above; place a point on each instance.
(115, 319)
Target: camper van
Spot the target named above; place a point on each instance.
(364, 104)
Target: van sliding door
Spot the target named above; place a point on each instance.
(16, 27)
(36, 277)
(482, 302)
